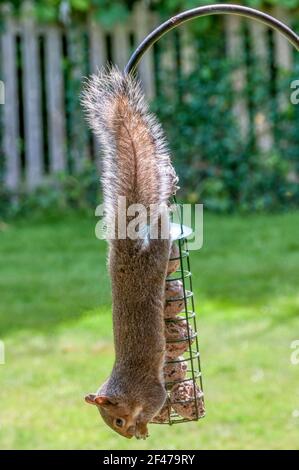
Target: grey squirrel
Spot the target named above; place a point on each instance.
(136, 165)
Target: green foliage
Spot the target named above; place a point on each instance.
(173, 6)
(111, 11)
(108, 12)
(216, 165)
(60, 194)
(47, 11)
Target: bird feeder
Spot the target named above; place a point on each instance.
(183, 376)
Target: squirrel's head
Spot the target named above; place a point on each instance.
(117, 414)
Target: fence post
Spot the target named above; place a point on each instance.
(146, 67)
(79, 148)
(97, 59)
(168, 67)
(235, 48)
(283, 54)
(97, 49)
(189, 56)
(121, 45)
(12, 168)
(258, 33)
(284, 50)
(32, 99)
(55, 101)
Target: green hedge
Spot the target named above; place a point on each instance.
(110, 11)
(215, 165)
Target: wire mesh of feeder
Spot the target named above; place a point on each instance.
(185, 397)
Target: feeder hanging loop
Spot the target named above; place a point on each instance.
(209, 10)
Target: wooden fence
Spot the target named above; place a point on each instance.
(42, 67)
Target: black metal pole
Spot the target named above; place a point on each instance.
(208, 10)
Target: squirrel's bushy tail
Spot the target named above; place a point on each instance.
(136, 162)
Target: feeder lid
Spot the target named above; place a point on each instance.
(178, 231)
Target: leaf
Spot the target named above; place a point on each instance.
(115, 13)
(80, 5)
(46, 13)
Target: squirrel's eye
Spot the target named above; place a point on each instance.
(119, 422)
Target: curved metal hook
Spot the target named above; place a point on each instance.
(208, 10)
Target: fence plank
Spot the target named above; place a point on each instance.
(79, 137)
(235, 49)
(10, 108)
(121, 45)
(168, 67)
(283, 49)
(32, 100)
(189, 53)
(146, 67)
(97, 59)
(259, 40)
(283, 54)
(55, 101)
(97, 46)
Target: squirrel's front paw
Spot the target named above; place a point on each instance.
(141, 431)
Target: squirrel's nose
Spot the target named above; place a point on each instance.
(131, 430)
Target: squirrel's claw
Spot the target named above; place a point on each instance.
(141, 436)
(141, 431)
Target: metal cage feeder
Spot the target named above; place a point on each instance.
(190, 358)
(174, 408)
(182, 351)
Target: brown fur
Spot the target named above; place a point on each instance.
(136, 164)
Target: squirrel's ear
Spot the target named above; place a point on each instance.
(105, 401)
(90, 398)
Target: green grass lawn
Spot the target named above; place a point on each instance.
(55, 320)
